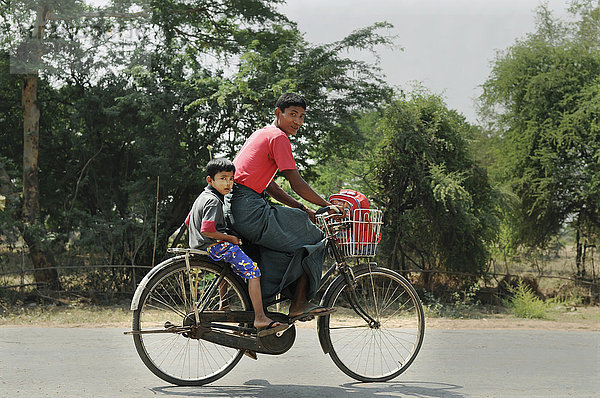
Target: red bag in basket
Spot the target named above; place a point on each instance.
(357, 206)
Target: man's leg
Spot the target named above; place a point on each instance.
(300, 304)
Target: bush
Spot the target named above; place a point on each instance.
(525, 304)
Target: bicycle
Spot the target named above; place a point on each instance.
(193, 321)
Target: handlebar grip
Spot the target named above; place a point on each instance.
(322, 210)
(327, 208)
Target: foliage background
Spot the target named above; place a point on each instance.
(119, 115)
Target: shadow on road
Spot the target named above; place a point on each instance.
(262, 388)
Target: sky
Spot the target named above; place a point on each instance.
(448, 45)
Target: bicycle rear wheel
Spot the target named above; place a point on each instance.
(167, 303)
(384, 347)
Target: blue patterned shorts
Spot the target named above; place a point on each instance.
(232, 254)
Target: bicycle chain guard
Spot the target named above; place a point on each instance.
(278, 343)
(273, 344)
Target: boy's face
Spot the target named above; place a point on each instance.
(289, 120)
(223, 182)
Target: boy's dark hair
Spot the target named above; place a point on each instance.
(290, 99)
(217, 165)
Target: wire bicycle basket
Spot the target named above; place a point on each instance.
(357, 233)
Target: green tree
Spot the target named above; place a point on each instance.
(440, 210)
(543, 97)
(25, 27)
(338, 90)
(66, 28)
(354, 170)
(111, 133)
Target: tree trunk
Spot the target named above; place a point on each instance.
(31, 138)
(42, 261)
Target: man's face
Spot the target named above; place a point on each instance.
(289, 120)
(223, 182)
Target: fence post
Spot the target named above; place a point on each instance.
(23, 263)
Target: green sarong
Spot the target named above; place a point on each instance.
(284, 241)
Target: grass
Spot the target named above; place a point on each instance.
(65, 315)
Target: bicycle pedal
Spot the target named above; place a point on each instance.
(251, 354)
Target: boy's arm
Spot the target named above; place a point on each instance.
(206, 218)
(216, 235)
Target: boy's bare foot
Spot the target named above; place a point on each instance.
(264, 321)
(270, 329)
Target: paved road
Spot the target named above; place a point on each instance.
(54, 362)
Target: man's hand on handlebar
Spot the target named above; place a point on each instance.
(331, 209)
(338, 209)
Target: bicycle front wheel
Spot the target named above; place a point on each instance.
(165, 304)
(381, 343)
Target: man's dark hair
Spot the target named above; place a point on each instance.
(217, 165)
(290, 99)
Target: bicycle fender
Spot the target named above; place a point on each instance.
(135, 301)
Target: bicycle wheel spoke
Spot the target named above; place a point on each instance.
(349, 327)
(165, 305)
(392, 299)
(177, 290)
(393, 345)
(401, 307)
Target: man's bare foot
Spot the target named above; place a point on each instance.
(308, 310)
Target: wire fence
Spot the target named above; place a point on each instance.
(102, 283)
(31, 271)
(25, 276)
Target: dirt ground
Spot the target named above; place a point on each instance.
(583, 318)
(512, 323)
(580, 318)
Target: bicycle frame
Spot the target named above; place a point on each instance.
(340, 266)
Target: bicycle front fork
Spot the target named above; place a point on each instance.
(350, 293)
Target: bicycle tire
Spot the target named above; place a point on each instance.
(385, 349)
(176, 358)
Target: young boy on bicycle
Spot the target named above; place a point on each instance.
(208, 231)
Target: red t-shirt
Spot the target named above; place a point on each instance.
(264, 152)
